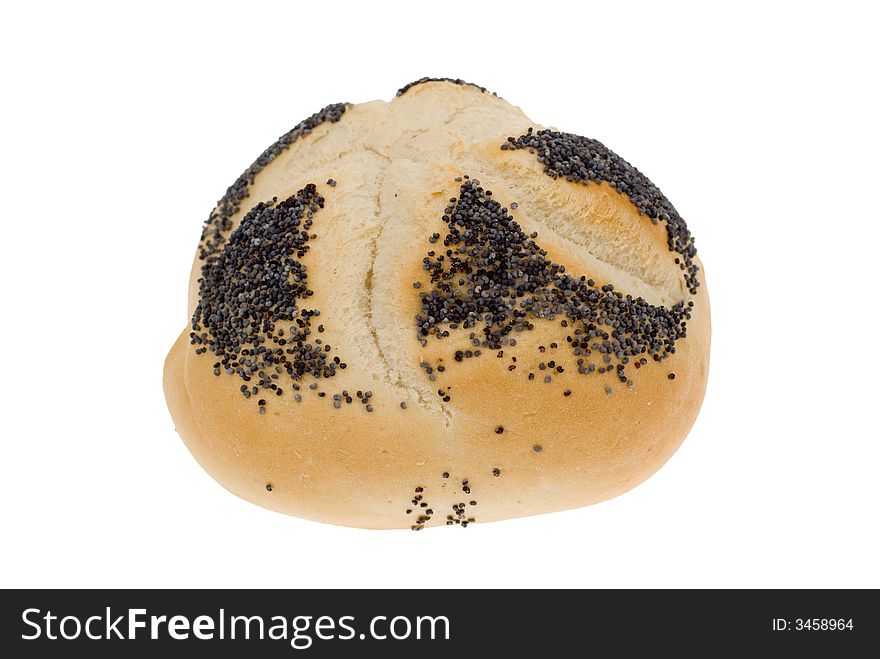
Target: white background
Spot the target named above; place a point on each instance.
(121, 128)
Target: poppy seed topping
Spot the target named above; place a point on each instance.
(248, 314)
(495, 275)
(456, 81)
(220, 220)
(582, 160)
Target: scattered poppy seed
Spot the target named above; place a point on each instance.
(403, 90)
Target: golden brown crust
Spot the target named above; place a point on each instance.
(396, 166)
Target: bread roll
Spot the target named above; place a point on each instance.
(434, 312)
